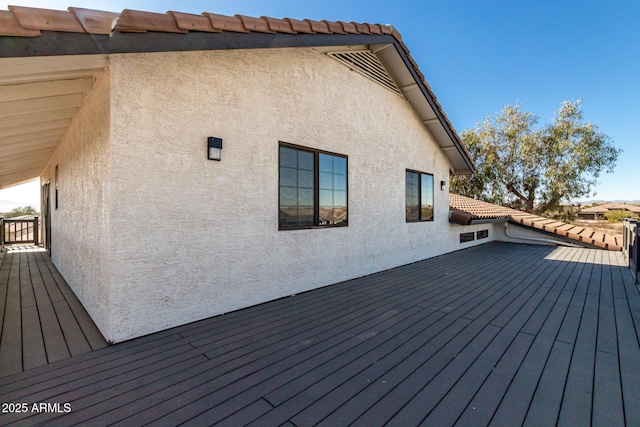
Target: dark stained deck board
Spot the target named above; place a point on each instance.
(39, 325)
(481, 407)
(299, 396)
(48, 329)
(348, 412)
(461, 332)
(70, 308)
(628, 343)
(540, 308)
(228, 389)
(395, 375)
(11, 338)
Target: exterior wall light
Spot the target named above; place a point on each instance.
(215, 148)
(443, 185)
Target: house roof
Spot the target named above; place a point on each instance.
(465, 211)
(49, 59)
(611, 207)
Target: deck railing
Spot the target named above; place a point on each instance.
(1, 233)
(20, 230)
(631, 245)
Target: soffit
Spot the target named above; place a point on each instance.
(39, 96)
(64, 51)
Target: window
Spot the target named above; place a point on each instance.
(419, 196)
(313, 188)
(57, 186)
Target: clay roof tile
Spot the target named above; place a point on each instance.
(279, 25)
(95, 21)
(137, 21)
(46, 19)
(187, 21)
(258, 25)
(226, 23)
(300, 26)
(9, 26)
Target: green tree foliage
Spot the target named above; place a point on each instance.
(617, 216)
(526, 167)
(21, 211)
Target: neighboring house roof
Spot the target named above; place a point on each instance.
(465, 211)
(612, 207)
(58, 54)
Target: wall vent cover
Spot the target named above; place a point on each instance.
(367, 63)
(467, 237)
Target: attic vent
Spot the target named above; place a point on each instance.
(467, 237)
(367, 63)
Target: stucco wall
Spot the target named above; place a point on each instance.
(80, 225)
(192, 238)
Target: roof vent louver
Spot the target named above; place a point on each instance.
(367, 63)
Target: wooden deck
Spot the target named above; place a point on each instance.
(499, 334)
(41, 320)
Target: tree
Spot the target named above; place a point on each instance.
(21, 211)
(534, 169)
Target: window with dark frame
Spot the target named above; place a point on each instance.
(418, 196)
(57, 186)
(312, 187)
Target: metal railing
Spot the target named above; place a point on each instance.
(20, 230)
(631, 245)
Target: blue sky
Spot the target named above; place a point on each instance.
(480, 55)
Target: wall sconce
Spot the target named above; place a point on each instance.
(443, 185)
(215, 148)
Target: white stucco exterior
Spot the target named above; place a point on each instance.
(158, 236)
(80, 235)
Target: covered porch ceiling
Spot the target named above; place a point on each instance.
(39, 96)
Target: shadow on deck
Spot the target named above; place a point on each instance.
(41, 320)
(499, 334)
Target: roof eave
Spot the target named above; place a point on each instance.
(398, 61)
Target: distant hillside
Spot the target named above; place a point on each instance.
(600, 202)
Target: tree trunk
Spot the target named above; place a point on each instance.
(528, 201)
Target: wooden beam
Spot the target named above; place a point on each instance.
(54, 66)
(38, 117)
(49, 76)
(9, 180)
(15, 167)
(34, 127)
(48, 142)
(14, 108)
(26, 137)
(21, 91)
(31, 154)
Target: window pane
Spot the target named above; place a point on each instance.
(296, 187)
(412, 188)
(340, 182)
(426, 196)
(339, 165)
(333, 189)
(305, 197)
(288, 177)
(340, 199)
(288, 157)
(288, 196)
(326, 180)
(305, 160)
(305, 179)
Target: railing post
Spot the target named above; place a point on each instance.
(637, 249)
(36, 227)
(1, 233)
